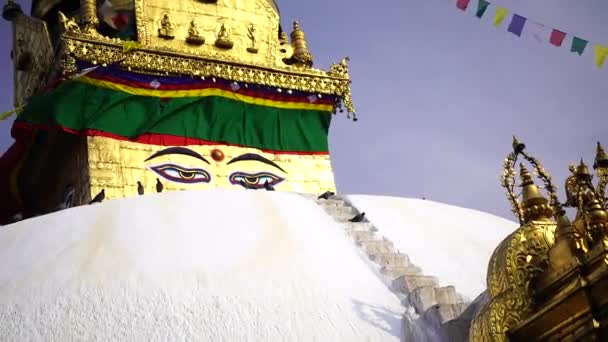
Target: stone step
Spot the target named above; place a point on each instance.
(362, 235)
(352, 226)
(424, 297)
(340, 211)
(331, 202)
(397, 259)
(376, 247)
(409, 283)
(343, 217)
(399, 271)
(441, 313)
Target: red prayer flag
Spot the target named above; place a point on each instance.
(557, 37)
(463, 4)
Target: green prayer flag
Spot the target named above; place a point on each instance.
(578, 45)
(482, 6)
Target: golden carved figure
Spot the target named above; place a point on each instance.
(68, 24)
(166, 28)
(194, 36)
(223, 40)
(251, 32)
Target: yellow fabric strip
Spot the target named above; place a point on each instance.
(202, 93)
(601, 53)
(501, 13)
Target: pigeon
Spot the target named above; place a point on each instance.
(99, 197)
(357, 218)
(326, 195)
(140, 188)
(68, 198)
(268, 186)
(159, 186)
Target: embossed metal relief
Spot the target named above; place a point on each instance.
(32, 56)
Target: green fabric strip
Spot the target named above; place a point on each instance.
(80, 106)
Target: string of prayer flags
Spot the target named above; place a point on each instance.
(517, 25)
(578, 45)
(520, 25)
(463, 4)
(557, 37)
(482, 6)
(601, 52)
(501, 13)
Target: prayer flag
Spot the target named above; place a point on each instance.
(482, 6)
(578, 45)
(538, 31)
(463, 4)
(557, 37)
(601, 52)
(501, 13)
(517, 25)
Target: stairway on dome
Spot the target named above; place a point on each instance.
(437, 305)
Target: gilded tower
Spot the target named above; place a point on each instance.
(129, 96)
(548, 280)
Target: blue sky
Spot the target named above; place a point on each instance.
(439, 93)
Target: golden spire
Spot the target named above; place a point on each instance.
(564, 252)
(598, 217)
(301, 55)
(582, 169)
(601, 157)
(534, 205)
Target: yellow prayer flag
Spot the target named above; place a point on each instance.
(501, 13)
(601, 52)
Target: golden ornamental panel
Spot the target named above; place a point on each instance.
(118, 166)
(194, 27)
(32, 56)
(162, 61)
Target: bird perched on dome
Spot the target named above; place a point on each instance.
(99, 197)
(159, 185)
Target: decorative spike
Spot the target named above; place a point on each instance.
(601, 157)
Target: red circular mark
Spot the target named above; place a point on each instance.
(217, 155)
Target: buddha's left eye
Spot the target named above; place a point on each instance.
(180, 174)
(256, 180)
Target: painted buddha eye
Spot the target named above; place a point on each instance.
(179, 174)
(256, 180)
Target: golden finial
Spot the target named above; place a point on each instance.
(301, 55)
(582, 170)
(564, 251)
(534, 205)
(601, 157)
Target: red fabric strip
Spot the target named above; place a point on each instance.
(20, 128)
(557, 37)
(463, 4)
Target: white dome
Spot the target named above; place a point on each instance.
(198, 266)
